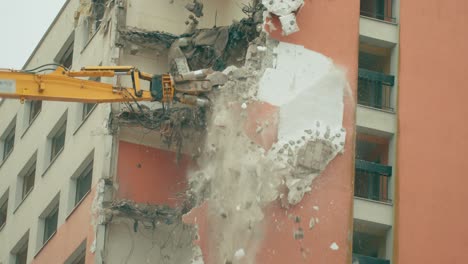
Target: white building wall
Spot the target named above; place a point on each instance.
(82, 137)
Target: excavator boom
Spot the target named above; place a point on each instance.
(64, 85)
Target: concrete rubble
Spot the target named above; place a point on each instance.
(286, 11)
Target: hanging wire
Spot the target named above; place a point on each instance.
(41, 68)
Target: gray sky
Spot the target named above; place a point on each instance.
(22, 25)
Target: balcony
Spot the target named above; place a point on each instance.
(375, 89)
(378, 9)
(372, 180)
(360, 259)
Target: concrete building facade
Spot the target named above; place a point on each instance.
(87, 183)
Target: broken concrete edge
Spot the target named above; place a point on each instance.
(286, 11)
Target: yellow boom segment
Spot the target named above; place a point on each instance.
(61, 85)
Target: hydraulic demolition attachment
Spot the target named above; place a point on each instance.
(65, 85)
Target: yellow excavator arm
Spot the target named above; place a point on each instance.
(64, 85)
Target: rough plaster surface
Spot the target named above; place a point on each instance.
(237, 175)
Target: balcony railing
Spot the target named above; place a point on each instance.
(371, 180)
(378, 9)
(375, 89)
(360, 259)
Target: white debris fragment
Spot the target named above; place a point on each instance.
(315, 207)
(92, 249)
(239, 254)
(244, 106)
(334, 246)
(286, 10)
(261, 48)
(197, 256)
(311, 223)
(289, 24)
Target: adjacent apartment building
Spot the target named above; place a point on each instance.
(87, 183)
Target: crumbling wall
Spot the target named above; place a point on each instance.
(140, 233)
(238, 178)
(286, 11)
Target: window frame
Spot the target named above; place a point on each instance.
(87, 110)
(49, 233)
(4, 210)
(11, 135)
(87, 172)
(34, 111)
(22, 250)
(62, 131)
(30, 173)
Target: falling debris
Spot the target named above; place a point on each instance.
(312, 223)
(334, 246)
(196, 8)
(299, 234)
(286, 11)
(239, 254)
(234, 173)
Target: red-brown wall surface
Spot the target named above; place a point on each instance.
(432, 213)
(149, 175)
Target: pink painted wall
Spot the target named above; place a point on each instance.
(432, 215)
(70, 235)
(149, 175)
(331, 28)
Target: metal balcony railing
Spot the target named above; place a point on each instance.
(360, 259)
(378, 9)
(371, 180)
(375, 89)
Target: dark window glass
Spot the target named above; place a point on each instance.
(3, 213)
(34, 110)
(58, 141)
(28, 181)
(22, 255)
(50, 224)
(87, 108)
(9, 143)
(83, 183)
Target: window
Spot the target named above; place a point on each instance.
(22, 255)
(65, 54)
(81, 259)
(79, 255)
(3, 211)
(28, 181)
(58, 141)
(50, 224)
(9, 143)
(19, 253)
(83, 183)
(67, 59)
(34, 110)
(87, 108)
